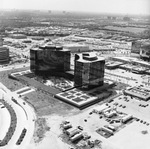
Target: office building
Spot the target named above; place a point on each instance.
(89, 70)
(49, 58)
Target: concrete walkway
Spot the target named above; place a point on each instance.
(24, 90)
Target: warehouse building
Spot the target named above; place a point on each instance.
(77, 48)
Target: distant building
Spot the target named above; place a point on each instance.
(111, 17)
(114, 18)
(4, 54)
(89, 70)
(135, 48)
(142, 48)
(113, 64)
(75, 48)
(49, 58)
(131, 61)
(126, 18)
(37, 38)
(145, 52)
(18, 36)
(27, 41)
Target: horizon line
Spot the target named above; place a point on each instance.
(69, 11)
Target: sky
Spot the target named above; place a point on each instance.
(100, 6)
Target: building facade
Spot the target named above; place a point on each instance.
(89, 70)
(49, 58)
(4, 54)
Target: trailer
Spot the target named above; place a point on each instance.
(76, 137)
(126, 118)
(74, 132)
(110, 114)
(111, 127)
(67, 126)
(99, 109)
(106, 110)
(107, 130)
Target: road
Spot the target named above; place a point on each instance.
(14, 66)
(25, 119)
(4, 120)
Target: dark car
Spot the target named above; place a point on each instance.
(80, 127)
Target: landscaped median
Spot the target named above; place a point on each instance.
(13, 123)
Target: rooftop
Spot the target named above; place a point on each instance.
(89, 57)
(75, 45)
(50, 47)
(139, 92)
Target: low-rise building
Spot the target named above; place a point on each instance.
(138, 92)
(77, 48)
(113, 64)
